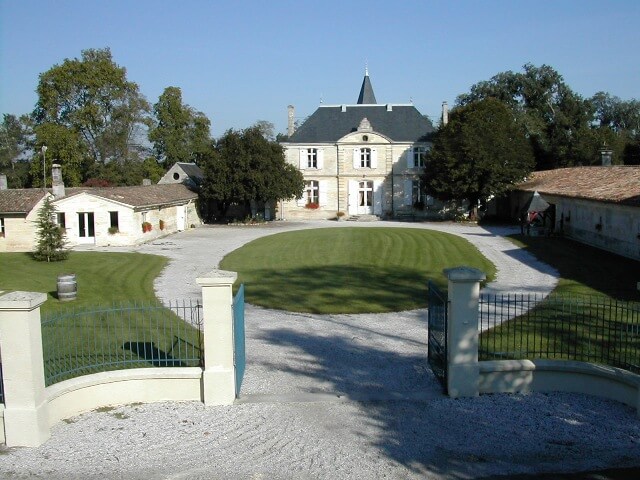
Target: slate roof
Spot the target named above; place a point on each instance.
(366, 92)
(19, 200)
(143, 196)
(193, 170)
(400, 123)
(613, 184)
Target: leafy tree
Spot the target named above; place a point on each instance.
(65, 147)
(181, 133)
(619, 122)
(51, 240)
(92, 99)
(554, 117)
(15, 141)
(246, 167)
(479, 154)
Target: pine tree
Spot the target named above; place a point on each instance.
(51, 245)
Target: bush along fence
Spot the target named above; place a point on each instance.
(582, 345)
(65, 364)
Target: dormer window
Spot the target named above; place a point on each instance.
(365, 158)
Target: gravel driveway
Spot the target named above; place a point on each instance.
(337, 396)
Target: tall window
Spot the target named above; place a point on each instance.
(312, 158)
(1, 226)
(113, 220)
(312, 192)
(61, 219)
(418, 156)
(365, 158)
(419, 198)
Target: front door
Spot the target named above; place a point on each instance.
(86, 227)
(181, 217)
(365, 197)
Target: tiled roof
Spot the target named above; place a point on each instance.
(19, 200)
(400, 123)
(140, 196)
(615, 184)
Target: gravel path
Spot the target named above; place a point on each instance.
(337, 396)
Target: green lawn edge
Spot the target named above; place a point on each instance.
(349, 270)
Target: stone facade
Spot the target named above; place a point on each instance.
(363, 159)
(18, 230)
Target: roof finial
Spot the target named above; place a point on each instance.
(366, 68)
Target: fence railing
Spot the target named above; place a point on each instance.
(133, 335)
(585, 328)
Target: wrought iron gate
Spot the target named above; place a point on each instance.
(437, 343)
(239, 359)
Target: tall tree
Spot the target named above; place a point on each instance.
(92, 98)
(619, 123)
(482, 152)
(180, 134)
(555, 117)
(246, 167)
(15, 141)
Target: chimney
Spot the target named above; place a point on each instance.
(57, 185)
(146, 182)
(445, 113)
(605, 155)
(3, 181)
(291, 127)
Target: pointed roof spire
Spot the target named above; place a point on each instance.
(366, 96)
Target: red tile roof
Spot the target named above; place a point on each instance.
(614, 184)
(140, 196)
(19, 200)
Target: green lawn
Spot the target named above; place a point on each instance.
(585, 270)
(102, 277)
(349, 270)
(79, 338)
(592, 315)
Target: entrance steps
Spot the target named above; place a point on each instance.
(363, 218)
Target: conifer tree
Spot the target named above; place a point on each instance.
(51, 241)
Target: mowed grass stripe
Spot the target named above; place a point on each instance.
(102, 277)
(349, 270)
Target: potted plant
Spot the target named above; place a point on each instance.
(146, 227)
(161, 223)
(312, 205)
(340, 216)
(113, 230)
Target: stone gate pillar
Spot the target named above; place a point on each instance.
(463, 372)
(218, 379)
(26, 414)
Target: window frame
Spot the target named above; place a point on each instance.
(365, 157)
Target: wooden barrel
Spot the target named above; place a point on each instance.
(67, 287)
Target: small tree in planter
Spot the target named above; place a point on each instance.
(146, 227)
(51, 242)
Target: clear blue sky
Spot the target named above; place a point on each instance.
(243, 61)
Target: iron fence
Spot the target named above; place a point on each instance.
(132, 335)
(585, 328)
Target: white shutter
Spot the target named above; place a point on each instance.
(377, 197)
(320, 158)
(356, 158)
(322, 193)
(353, 197)
(374, 158)
(410, 162)
(303, 158)
(408, 192)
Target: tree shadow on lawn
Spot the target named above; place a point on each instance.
(603, 272)
(340, 289)
(429, 433)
